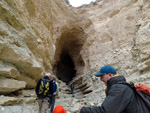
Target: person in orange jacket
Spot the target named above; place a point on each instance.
(59, 109)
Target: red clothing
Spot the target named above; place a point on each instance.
(59, 109)
(143, 88)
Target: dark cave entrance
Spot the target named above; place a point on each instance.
(65, 68)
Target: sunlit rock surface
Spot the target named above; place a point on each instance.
(37, 36)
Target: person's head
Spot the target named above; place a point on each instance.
(49, 75)
(54, 79)
(59, 109)
(106, 72)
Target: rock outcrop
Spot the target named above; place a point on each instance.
(72, 43)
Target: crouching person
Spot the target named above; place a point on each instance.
(120, 98)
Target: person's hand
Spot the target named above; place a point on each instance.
(80, 106)
(57, 96)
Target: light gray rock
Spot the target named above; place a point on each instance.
(7, 101)
(10, 85)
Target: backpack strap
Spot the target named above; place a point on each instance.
(131, 85)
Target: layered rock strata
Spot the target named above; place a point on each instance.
(36, 35)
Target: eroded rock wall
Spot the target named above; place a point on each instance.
(29, 31)
(34, 34)
(119, 35)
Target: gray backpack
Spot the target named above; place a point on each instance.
(143, 100)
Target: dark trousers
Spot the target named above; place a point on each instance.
(52, 103)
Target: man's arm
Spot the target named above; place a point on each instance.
(57, 90)
(116, 101)
(91, 110)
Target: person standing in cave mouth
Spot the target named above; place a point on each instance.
(120, 98)
(72, 88)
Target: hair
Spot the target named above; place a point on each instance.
(47, 74)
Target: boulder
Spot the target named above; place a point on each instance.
(5, 101)
(10, 85)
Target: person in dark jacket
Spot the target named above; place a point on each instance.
(119, 97)
(45, 102)
(55, 92)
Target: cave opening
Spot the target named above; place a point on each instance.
(65, 68)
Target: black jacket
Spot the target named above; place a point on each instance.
(50, 86)
(120, 99)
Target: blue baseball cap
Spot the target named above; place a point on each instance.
(106, 69)
(54, 78)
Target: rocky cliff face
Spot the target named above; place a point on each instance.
(51, 36)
